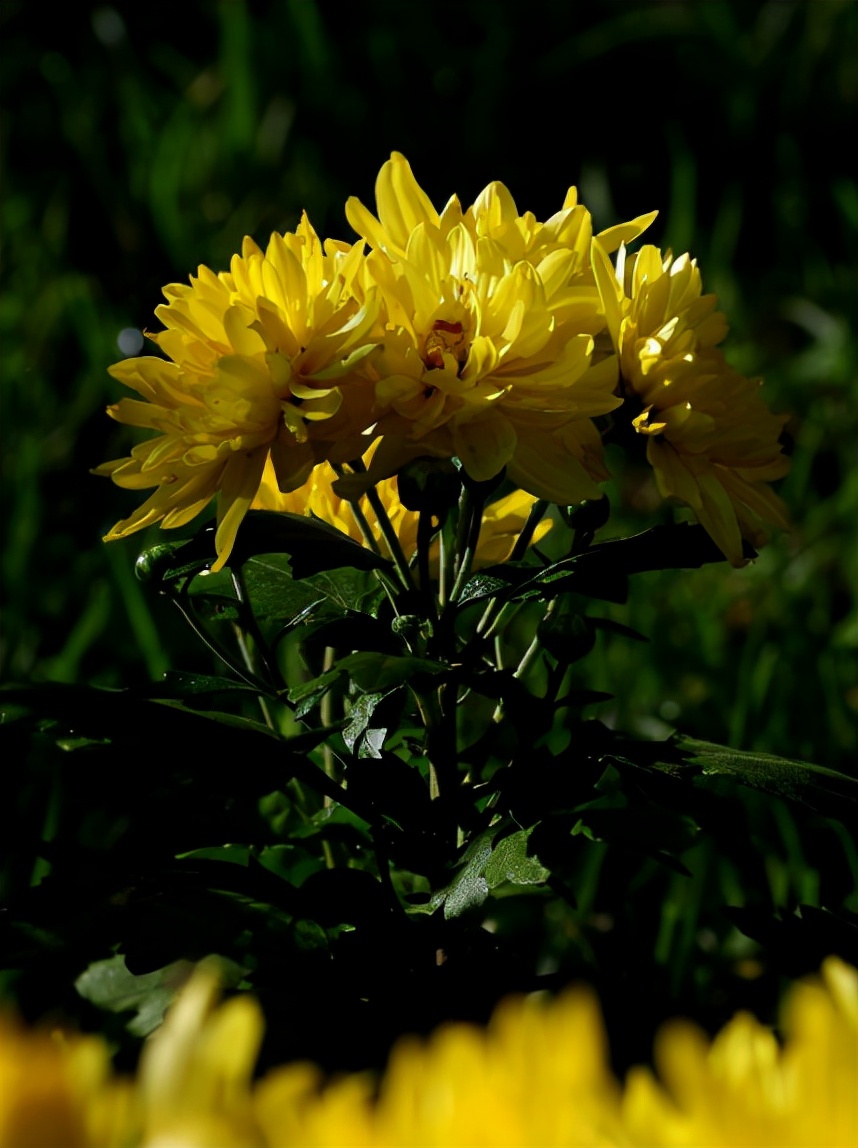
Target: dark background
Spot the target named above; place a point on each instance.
(139, 140)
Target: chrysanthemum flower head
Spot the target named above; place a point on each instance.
(745, 1090)
(711, 440)
(262, 367)
(57, 1089)
(489, 350)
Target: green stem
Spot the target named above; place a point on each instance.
(326, 715)
(537, 513)
(527, 657)
(185, 608)
(425, 533)
(390, 537)
(386, 527)
(468, 537)
(440, 726)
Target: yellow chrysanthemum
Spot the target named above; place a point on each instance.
(537, 1075)
(746, 1091)
(503, 520)
(489, 348)
(261, 368)
(194, 1080)
(712, 442)
(57, 1090)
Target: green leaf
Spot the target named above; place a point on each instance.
(216, 607)
(372, 743)
(486, 866)
(195, 688)
(613, 627)
(316, 688)
(360, 714)
(482, 586)
(822, 789)
(349, 589)
(312, 545)
(469, 889)
(274, 592)
(372, 672)
(577, 699)
(235, 854)
(567, 637)
(510, 862)
(109, 985)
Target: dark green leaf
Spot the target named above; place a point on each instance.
(312, 545)
(274, 592)
(576, 699)
(356, 590)
(816, 786)
(235, 854)
(469, 889)
(372, 672)
(316, 688)
(109, 985)
(510, 862)
(613, 627)
(216, 607)
(372, 743)
(567, 637)
(359, 717)
(195, 687)
(482, 586)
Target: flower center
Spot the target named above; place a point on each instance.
(444, 339)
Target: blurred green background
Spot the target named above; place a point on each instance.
(141, 140)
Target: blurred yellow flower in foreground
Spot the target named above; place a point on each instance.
(743, 1090)
(56, 1091)
(538, 1075)
(503, 520)
(261, 369)
(712, 442)
(489, 351)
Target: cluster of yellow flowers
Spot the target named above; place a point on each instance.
(477, 333)
(537, 1075)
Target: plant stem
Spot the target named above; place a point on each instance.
(467, 539)
(186, 610)
(537, 512)
(440, 726)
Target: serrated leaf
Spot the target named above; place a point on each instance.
(372, 743)
(356, 590)
(510, 862)
(482, 586)
(274, 592)
(109, 985)
(469, 888)
(371, 671)
(816, 786)
(360, 714)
